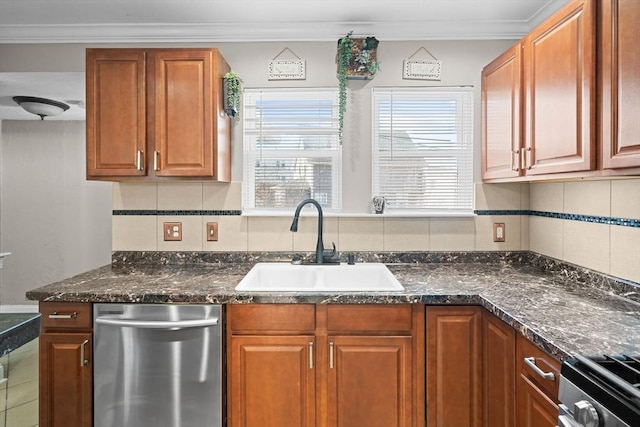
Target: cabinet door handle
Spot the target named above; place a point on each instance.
(526, 164)
(156, 154)
(331, 348)
(83, 358)
(531, 362)
(310, 355)
(139, 162)
(56, 315)
(515, 154)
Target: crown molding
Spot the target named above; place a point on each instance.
(301, 31)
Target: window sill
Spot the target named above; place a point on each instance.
(361, 215)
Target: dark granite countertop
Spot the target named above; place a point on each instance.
(17, 329)
(562, 308)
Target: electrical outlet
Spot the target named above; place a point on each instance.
(212, 231)
(498, 232)
(172, 231)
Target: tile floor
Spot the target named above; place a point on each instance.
(19, 394)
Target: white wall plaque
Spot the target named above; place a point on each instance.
(291, 69)
(421, 69)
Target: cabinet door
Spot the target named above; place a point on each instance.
(535, 409)
(272, 381)
(560, 92)
(65, 380)
(620, 84)
(501, 109)
(499, 348)
(454, 366)
(116, 113)
(184, 113)
(369, 381)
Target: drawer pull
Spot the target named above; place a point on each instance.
(531, 362)
(56, 315)
(83, 358)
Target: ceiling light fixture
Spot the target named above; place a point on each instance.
(41, 106)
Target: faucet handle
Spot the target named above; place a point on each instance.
(327, 255)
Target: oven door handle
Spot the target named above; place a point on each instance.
(155, 324)
(531, 362)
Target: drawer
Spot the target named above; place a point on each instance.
(66, 315)
(276, 318)
(372, 318)
(543, 361)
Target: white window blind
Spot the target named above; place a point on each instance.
(291, 149)
(423, 149)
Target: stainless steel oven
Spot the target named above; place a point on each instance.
(157, 365)
(602, 391)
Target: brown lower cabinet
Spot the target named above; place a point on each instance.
(369, 381)
(325, 365)
(499, 372)
(454, 376)
(338, 365)
(477, 375)
(276, 381)
(537, 386)
(66, 395)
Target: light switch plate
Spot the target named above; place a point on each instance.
(212, 231)
(498, 232)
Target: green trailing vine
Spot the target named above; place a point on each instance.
(344, 55)
(232, 93)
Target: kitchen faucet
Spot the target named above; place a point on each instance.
(322, 256)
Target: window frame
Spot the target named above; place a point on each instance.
(465, 122)
(250, 155)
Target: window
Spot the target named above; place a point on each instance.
(423, 149)
(291, 149)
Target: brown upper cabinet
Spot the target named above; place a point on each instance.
(501, 115)
(559, 92)
(619, 82)
(155, 113)
(543, 98)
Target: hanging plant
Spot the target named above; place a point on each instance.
(344, 54)
(356, 59)
(232, 92)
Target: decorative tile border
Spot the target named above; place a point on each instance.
(153, 212)
(624, 222)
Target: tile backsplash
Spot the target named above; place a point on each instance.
(584, 229)
(533, 215)
(141, 208)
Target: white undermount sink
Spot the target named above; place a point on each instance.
(285, 277)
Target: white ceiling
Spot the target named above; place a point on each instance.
(164, 21)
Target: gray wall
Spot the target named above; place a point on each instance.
(462, 62)
(54, 222)
(57, 224)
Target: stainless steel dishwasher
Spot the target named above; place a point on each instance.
(157, 365)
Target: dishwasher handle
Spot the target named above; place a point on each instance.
(157, 324)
